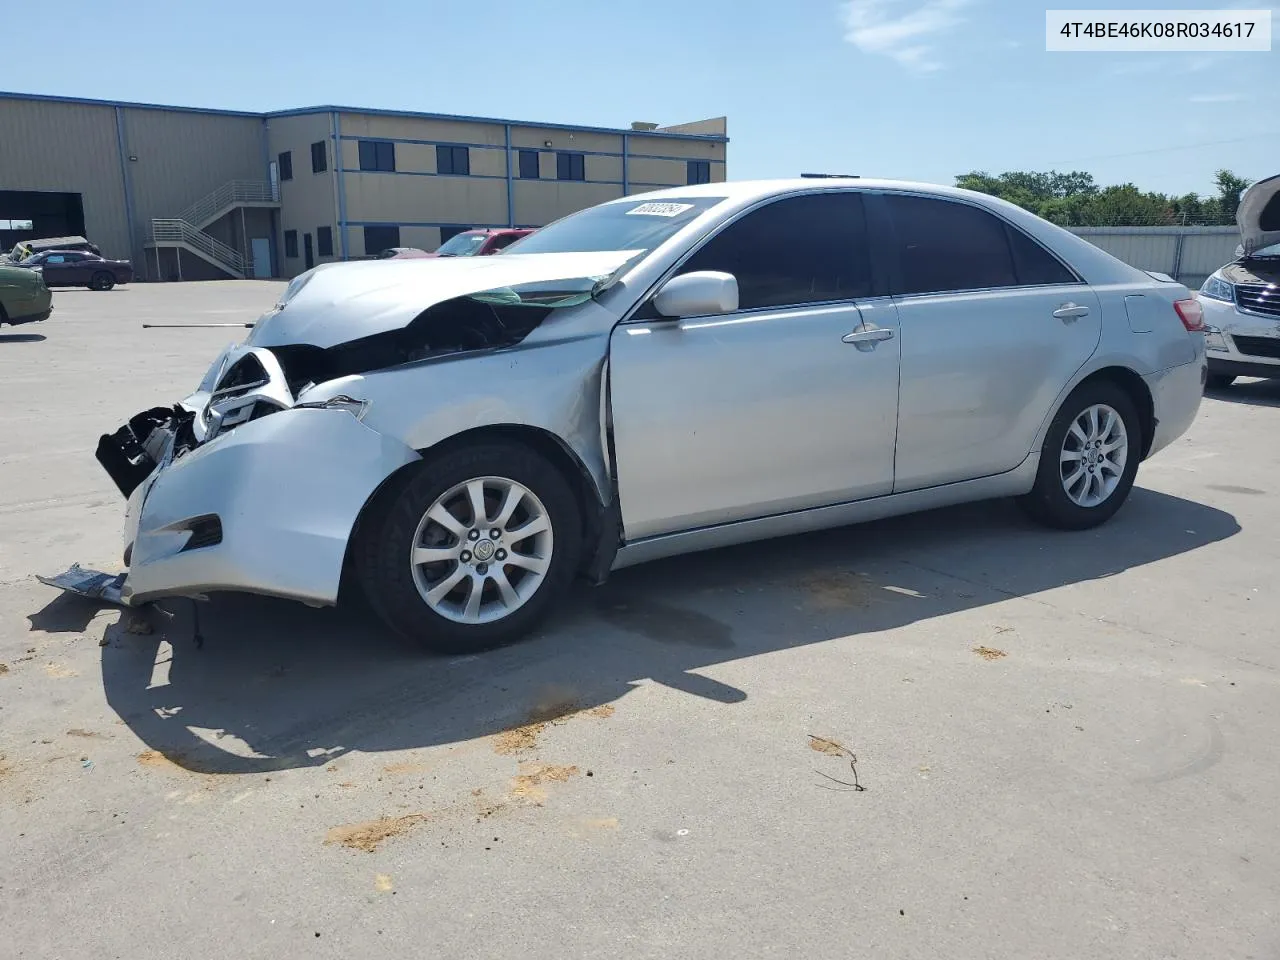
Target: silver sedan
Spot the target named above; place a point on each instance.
(652, 376)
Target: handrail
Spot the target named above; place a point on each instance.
(167, 231)
(206, 208)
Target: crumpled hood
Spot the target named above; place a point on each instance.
(1252, 271)
(1258, 215)
(339, 302)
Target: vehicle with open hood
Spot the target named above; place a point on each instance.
(655, 375)
(1241, 300)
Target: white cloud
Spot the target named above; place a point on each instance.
(1217, 97)
(903, 30)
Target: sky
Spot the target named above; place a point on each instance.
(909, 89)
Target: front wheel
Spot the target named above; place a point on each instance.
(1089, 459)
(473, 549)
(102, 280)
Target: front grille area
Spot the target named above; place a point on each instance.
(1260, 298)
(1258, 346)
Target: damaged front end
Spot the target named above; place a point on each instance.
(255, 482)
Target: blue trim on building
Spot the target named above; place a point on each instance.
(127, 181)
(626, 150)
(420, 173)
(511, 194)
(344, 244)
(87, 102)
(510, 147)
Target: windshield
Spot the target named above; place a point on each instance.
(639, 225)
(1269, 251)
(463, 245)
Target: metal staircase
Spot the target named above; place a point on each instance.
(186, 231)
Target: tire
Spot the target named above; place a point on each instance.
(400, 591)
(1049, 501)
(1219, 381)
(102, 280)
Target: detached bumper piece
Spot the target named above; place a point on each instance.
(132, 452)
(88, 583)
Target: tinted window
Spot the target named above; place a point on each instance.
(319, 158)
(377, 239)
(324, 241)
(291, 243)
(453, 160)
(285, 161)
(529, 164)
(1033, 264)
(944, 245)
(377, 155)
(505, 240)
(699, 171)
(571, 166)
(798, 250)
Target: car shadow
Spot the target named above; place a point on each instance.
(278, 685)
(22, 337)
(1259, 393)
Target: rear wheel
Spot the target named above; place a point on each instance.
(1219, 381)
(1089, 459)
(473, 549)
(102, 280)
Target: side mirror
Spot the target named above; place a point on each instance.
(698, 294)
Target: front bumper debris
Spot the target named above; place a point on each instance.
(88, 583)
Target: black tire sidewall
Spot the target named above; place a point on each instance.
(101, 281)
(1048, 501)
(384, 571)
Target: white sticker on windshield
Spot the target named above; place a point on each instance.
(659, 209)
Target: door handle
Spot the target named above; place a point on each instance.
(1071, 312)
(868, 336)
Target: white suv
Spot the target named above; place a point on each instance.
(1241, 301)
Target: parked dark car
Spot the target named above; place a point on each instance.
(76, 268)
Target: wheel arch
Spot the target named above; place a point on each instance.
(1128, 380)
(594, 512)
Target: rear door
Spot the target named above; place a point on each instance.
(993, 327)
(788, 403)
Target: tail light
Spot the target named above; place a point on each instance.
(1191, 314)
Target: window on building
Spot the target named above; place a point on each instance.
(571, 166)
(379, 238)
(455, 161)
(944, 245)
(699, 171)
(324, 241)
(291, 243)
(319, 157)
(285, 161)
(378, 156)
(807, 249)
(529, 164)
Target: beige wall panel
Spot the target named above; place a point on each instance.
(411, 158)
(417, 128)
(640, 170)
(565, 139)
(604, 168)
(68, 148)
(669, 147)
(183, 157)
(387, 198)
(489, 163)
(541, 201)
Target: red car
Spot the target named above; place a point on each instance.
(79, 268)
(470, 243)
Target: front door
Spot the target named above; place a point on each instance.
(788, 403)
(993, 328)
(308, 252)
(261, 247)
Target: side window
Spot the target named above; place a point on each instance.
(291, 243)
(1034, 265)
(528, 164)
(944, 245)
(504, 240)
(797, 250)
(285, 160)
(57, 258)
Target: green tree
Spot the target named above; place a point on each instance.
(1229, 189)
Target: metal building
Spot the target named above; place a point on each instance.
(189, 193)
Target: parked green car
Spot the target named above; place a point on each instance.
(23, 296)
